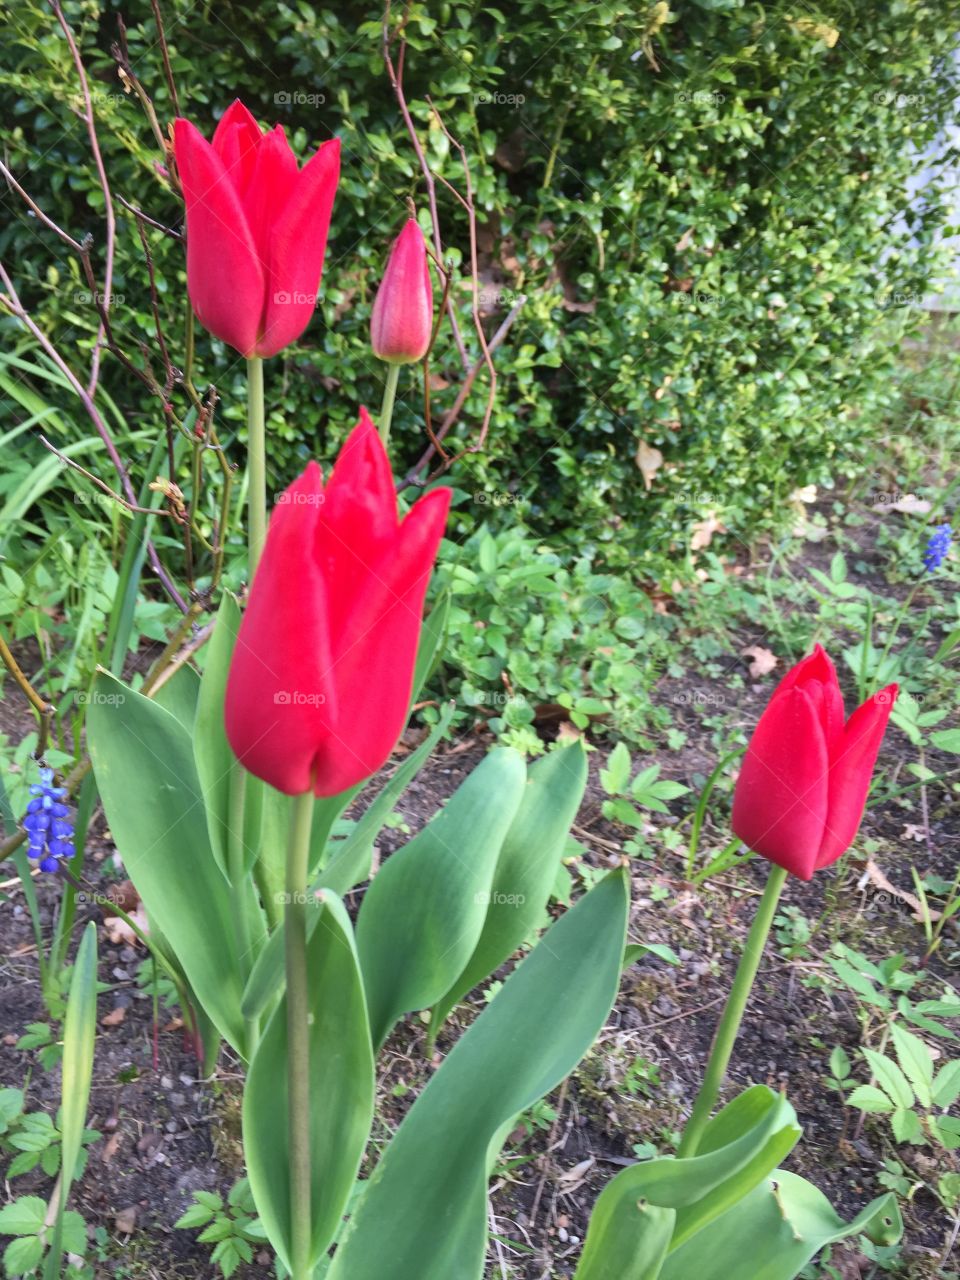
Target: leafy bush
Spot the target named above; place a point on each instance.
(700, 203)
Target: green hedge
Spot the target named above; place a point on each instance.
(700, 203)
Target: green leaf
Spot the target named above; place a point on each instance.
(217, 767)
(615, 777)
(179, 695)
(793, 1219)
(526, 868)
(427, 1196)
(890, 1078)
(635, 950)
(946, 1086)
(79, 1036)
(341, 1096)
(652, 1207)
(144, 765)
(914, 1057)
(432, 637)
(22, 1256)
(198, 1215)
(839, 1063)
(868, 1098)
(947, 740)
(24, 1217)
(906, 1126)
(349, 865)
(424, 912)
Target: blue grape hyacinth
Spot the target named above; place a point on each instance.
(937, 547)
(47, 823)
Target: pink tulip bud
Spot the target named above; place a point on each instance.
(402, 319)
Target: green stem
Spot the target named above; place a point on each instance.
(298, 1033)
(256, 462)
(726, 1035)
(238, 882)
(389, 395)
(895, 629)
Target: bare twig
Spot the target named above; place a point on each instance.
(104, 185)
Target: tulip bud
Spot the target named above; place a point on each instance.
(806, 773)
(321, 676)
(402, 319)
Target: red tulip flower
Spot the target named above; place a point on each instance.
(256, 230)
(402, 318)
(805, 777)
(322, 672)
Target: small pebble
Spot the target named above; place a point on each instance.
(166, 1082)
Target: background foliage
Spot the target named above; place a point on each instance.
(701, 203)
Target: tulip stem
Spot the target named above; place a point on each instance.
(256, 462)
(389, 396)
(298, 1034)
(726, 1035)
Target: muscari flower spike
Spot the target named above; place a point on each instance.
(937, 547)
(47, 823)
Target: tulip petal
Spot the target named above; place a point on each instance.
(224, 278)
(280, 701)
(273, 178)
(235, 141)
(297, 244)
(780, 802)
(851, 769)
(376, 647)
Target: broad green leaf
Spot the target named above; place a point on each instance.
(179, 696)
(432, 637)
(914, 1057)
(144, 766)
(218, 769)
(424, 912)
(652, 1207)
(349, 865)
(946, 740)
(526, 868)
(890, 1078)
(947, 1130)
(79, 1035)
(427, 1196)
(341, 1095)
(775, 1231)
(21, 1256)
(839, 1063)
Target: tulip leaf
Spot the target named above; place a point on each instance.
(350, 862)
(651, 1207)
(432, 637)
(179, 695)
(217, 767)
(427, 1196)
(341, 1096)
(79, 1037)
(526, 868)
(349, 865)
(144, 765)
(424, 911)
(772, 1233)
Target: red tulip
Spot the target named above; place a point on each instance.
(402, 318)
(321, 677)
(256, 229)
(805, 777)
